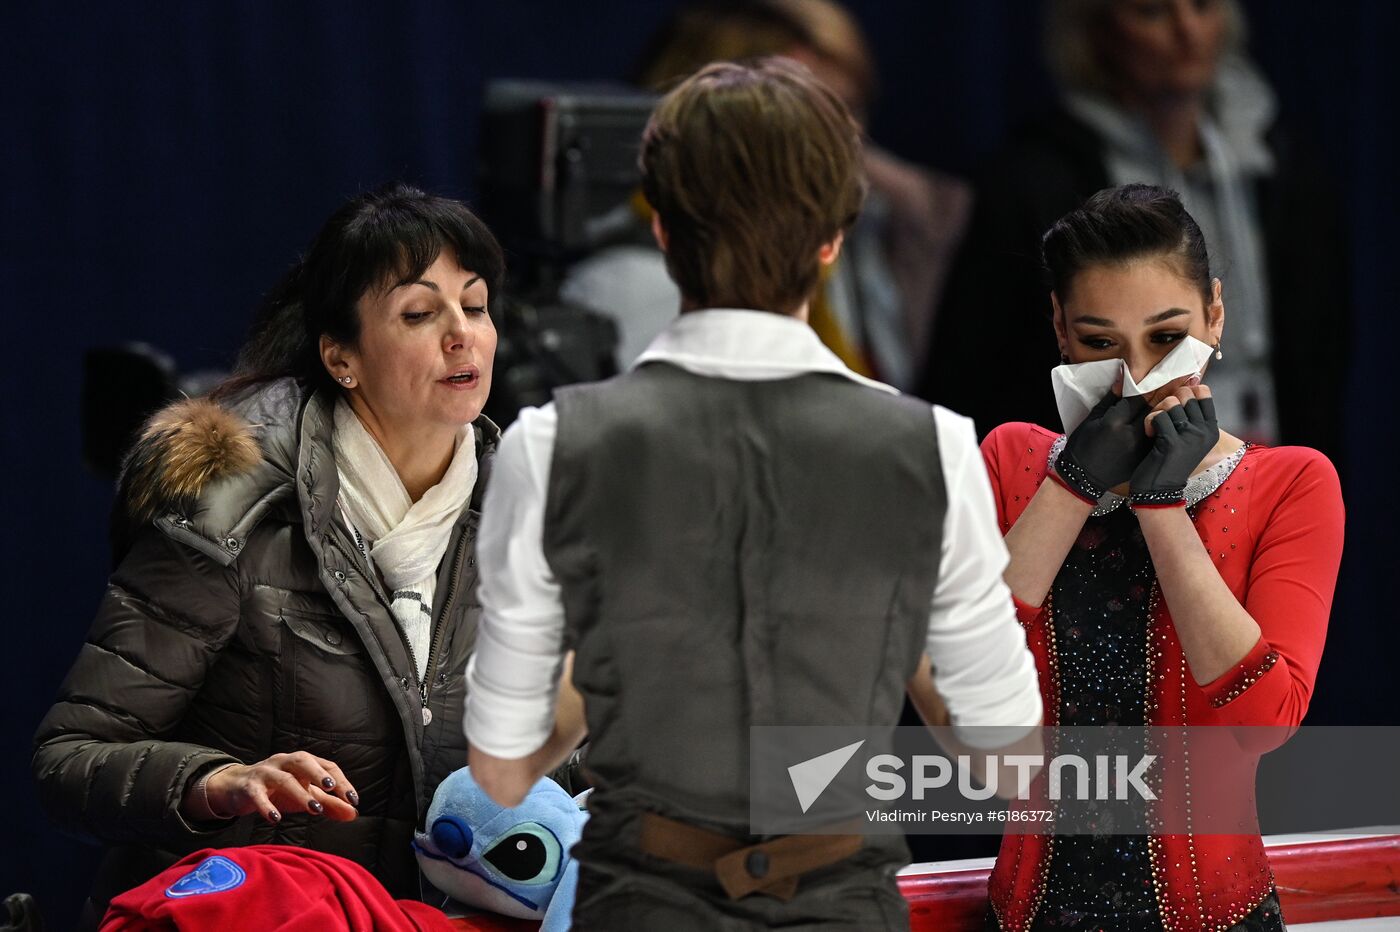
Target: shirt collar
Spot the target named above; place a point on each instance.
(747, 346)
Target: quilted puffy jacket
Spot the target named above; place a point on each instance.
(242, 622)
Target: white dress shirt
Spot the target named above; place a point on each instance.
(985, 672)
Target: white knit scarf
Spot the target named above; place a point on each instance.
(404, 539)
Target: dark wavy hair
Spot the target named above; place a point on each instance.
(1117, 225)
(376, 240)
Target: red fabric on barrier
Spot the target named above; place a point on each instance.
(1326, 881)
(267, 887)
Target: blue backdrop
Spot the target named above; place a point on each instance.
(164, 162)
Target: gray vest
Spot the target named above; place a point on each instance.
(734, 554)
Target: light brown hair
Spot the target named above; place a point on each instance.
(834, 34)
(1074, 33)
(703, 31)
(751, 169)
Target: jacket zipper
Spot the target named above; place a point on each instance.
(373, 577)
(425, 684)
(369, 573)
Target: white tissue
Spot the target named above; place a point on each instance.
(1080, 386)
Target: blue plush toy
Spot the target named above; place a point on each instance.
(514, 862)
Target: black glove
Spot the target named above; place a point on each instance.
(1185, 434)
(1104, 450)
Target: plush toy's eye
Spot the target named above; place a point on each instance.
(528, 854)
(453, 837)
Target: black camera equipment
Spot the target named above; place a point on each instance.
(558, 177)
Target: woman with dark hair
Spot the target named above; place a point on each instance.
(1168, 574)
(278, 657)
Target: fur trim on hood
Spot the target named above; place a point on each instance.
(182, 450)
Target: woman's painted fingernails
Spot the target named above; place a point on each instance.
(328, 783)
(353, 797)
(274, 816)
(315, 807)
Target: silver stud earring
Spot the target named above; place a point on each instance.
(347, 379)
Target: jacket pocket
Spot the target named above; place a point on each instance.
(325, 632)
(330, 691)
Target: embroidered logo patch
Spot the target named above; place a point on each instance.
(214, 874)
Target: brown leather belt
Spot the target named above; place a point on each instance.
(772, 867)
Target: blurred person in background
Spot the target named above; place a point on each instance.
(278, 658)
(876, 304)
(1159, 92)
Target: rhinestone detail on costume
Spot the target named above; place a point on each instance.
(1249, 680)
(1198, 487)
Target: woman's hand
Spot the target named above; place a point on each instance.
(1105, 449)
(296, 782)
(1100, 454)
(1184, 431)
